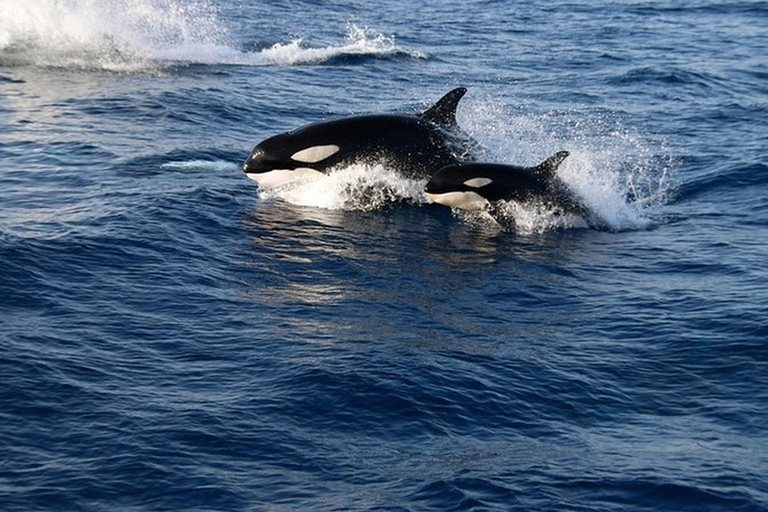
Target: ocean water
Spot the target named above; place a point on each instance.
(173, 338)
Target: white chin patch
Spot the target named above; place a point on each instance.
(315, 154)
(478, 182)
(465, 200)
(282, 177)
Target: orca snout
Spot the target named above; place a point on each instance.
(443, 180)
(256, 162)
(438, 188)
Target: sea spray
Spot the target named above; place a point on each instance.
(114, 35)
(622, 175)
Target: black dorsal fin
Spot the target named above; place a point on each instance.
(550, 165)
(444, 111)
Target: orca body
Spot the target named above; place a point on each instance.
(415, 145)
(479, 186)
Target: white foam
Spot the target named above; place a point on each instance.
(355, 187)
(359, 41)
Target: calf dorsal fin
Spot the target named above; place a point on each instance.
(549, 166)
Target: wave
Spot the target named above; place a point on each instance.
(116, 35)
(361, 43)
(725, 178)
(154, 35)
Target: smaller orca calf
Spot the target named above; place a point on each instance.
(479, 186)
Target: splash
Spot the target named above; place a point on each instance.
(522, 218)
(153, 35)
(115, 35)
(623, 176)
(359, 186)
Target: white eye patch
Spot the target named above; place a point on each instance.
(315, 154)
(478, 182)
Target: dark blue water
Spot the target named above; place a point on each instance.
(175, 339)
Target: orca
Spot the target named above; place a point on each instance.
(480, 186)
(414, 145)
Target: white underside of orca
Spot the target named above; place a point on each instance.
(471, 201)
(281, 177)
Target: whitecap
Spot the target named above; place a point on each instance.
(146, 36)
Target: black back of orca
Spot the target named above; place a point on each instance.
(406, 142)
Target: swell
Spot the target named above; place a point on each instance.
(722, 179)
(669, 76)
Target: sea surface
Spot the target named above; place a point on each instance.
(173, 338)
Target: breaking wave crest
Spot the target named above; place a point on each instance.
(152, 35)
(360, 42)
(115, 35)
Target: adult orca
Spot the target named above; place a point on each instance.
(479, 186)
(414, 145)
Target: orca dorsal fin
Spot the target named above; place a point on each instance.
(549, 166)
(444, 111)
